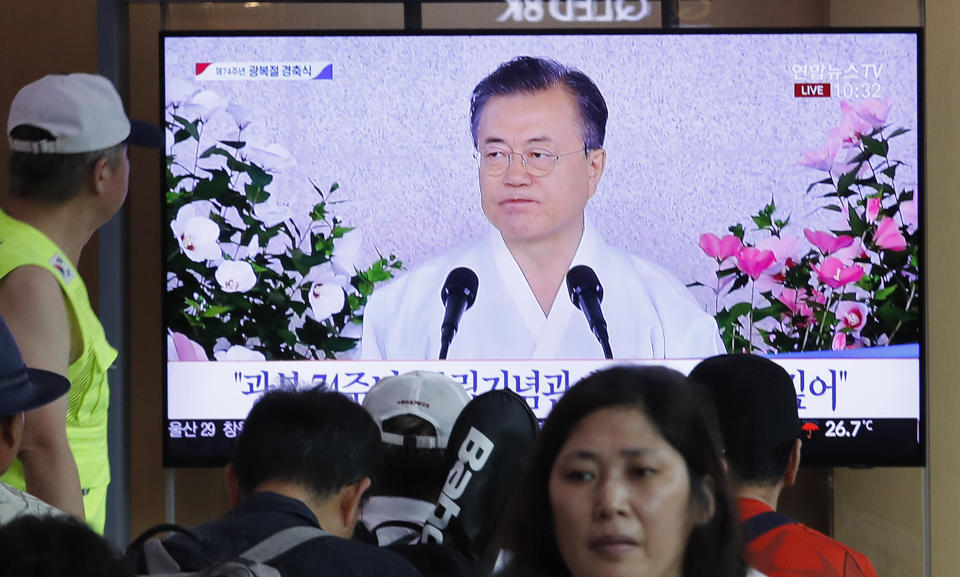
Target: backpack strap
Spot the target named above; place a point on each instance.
(157, 559)
(398, 523)
(281, 542)
(763, 523)
(148, 553)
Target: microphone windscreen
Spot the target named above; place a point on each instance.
(461, 280)
(582, 280)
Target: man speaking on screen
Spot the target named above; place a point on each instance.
(538, 129)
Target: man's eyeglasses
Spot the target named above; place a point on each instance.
(494, 161)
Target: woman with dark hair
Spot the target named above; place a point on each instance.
(626, 479)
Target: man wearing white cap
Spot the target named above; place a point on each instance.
(416, 412)
(68, 137)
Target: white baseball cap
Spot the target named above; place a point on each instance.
(433, 397)
(82, 112)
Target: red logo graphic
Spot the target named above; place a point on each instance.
(810, 428)
(815, 90)
(201, 66)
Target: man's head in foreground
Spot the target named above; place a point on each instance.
(416, 412)
(313, 445)
(757, 406)
(538, 128)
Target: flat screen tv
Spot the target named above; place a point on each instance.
(770, 180)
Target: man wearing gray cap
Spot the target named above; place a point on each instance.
(21, 389)
(68, 137)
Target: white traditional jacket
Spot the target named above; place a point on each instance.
(649, 313)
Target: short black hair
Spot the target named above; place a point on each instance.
(527, 74)
(756, 403)
(57, 546)
(410, 471)
(315, 437)
(53, 177)
(686, 422)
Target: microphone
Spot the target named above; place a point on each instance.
(459, 292)
(587, 294)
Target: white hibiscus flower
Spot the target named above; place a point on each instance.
(197, 235)
(235, 276)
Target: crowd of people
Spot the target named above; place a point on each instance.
(637, 470)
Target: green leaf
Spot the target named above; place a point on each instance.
(255, 194)
(857, 225)
(740, 282)
(258, 177)
(213, 187)
(762, 221)
(824, 181)
(843, 185)
(181, 135)
(235, 144)
(216, 311)
(319, 211)
(898, 132)
(874, 147)
(882, 295)
(192, 128)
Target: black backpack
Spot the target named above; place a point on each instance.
(148, 555)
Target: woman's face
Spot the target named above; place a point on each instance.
(620, 496)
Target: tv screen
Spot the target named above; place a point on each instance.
(751, 191)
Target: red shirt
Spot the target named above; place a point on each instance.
(795, 550)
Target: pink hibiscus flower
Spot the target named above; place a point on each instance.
(873, 209)
(826, 242)
(873, 111)
(909, 212)
(719, 248)
(851, 127)
(852, 315)
(888, 236)
(835, 274)
(821, 158)
(796, 301)
(839, 342)
(754, 261)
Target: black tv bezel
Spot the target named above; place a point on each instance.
(812, 457)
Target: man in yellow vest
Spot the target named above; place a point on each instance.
(69, 172)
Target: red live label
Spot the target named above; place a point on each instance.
(816, 90)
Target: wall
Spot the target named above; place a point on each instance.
(943, 152)
(68, 43)
(878, 511)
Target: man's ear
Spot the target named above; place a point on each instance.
(11, 432)
(100, 175)
(793, 464)
(233, 485)
(596, 160)
(350, 497)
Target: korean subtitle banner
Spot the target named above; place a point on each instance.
(826, 388)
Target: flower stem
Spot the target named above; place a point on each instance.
(196, 155)
(823, 320)
(913, 291)
(753, 288)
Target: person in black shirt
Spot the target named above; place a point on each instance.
(304, 458)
